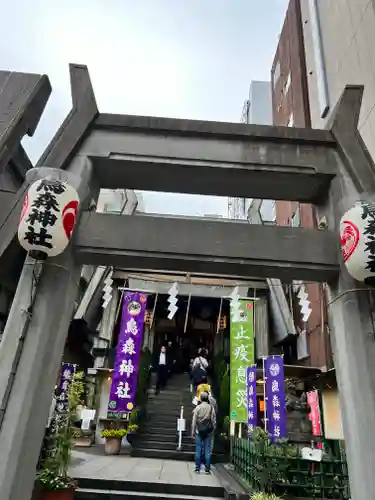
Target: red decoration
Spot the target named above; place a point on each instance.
(69, 216)
(349, 239)
(25, 206)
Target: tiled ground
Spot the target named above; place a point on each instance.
(87, 464)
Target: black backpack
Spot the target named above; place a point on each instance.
(206, 428)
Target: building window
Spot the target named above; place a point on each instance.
(291, 120)
(296, 219)
(302, 347)
(268, 211)
(276, 74)
(287, 84)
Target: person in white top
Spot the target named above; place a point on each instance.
(199, 368)
(161, 370)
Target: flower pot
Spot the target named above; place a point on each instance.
(58, 495)
(112, 446)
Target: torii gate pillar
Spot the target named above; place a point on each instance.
(351, 304)
(38, 323)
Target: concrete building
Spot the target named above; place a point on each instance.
(260, 101)
(339, 39)
(291, 107)
(257, 110)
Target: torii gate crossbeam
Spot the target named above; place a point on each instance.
(207, 246)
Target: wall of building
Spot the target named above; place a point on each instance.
(347, 35)
(260, 103)
(288, 73)
(258, 112)
(290, 104)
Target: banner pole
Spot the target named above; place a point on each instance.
(219, 317)
(265, 398)
(187, 313)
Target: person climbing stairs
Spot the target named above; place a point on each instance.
(158, 436)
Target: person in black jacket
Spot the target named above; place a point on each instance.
(161, 365)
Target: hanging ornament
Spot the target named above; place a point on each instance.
(48, 217)
(235, 305)
(172, 299)
(107, 296)
(303, 300)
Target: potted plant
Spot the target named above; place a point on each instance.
(53, 475)
(132, 430)
(56, 486)
(113, 439)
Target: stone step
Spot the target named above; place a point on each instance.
(166, 422)
(161, 436)
(164, 417)
(187, 456)
(160, 427)
(169, 411)
(87, 487)
(163, 445)
(169, 403)
(177, 392)
(93, 494)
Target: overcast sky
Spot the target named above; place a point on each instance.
(178, 58)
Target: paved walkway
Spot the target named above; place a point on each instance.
(86, 464)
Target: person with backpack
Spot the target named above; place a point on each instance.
(199, 369)
(202, 429)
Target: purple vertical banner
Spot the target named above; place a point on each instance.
(66, 376)
(128, 352)
(275, 404)
(252, 419)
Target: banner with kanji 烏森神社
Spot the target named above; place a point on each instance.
(128, 352)
(252, 407)
(241, 356)
(275, 403)
(66, 377)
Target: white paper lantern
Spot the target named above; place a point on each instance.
(357, 235)
(48, 217)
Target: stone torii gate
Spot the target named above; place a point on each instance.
(329, 168)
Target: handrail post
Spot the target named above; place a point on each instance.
(180, 429)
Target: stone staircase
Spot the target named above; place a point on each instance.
(101, 489)
(158, 437)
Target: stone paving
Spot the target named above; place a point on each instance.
(86, 464)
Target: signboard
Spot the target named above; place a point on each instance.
(241, 356)
(66, 377)
(313, 402)
(181, 425)
(274, 388)
(252, 414)
(128, 352)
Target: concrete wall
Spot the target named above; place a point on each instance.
(347, 30)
